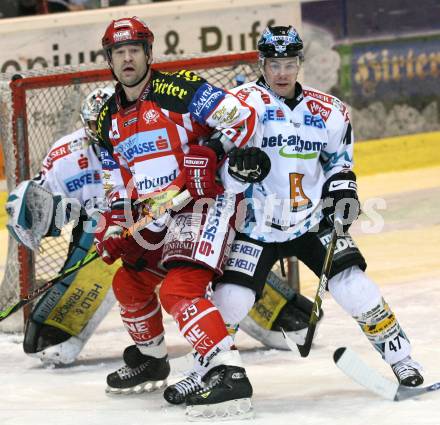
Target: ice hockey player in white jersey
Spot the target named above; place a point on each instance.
(68, 187)
(308, 137)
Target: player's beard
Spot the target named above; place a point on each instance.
(134, 78)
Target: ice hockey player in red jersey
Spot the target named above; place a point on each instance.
(153, 127)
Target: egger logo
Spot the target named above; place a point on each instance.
(317, 108)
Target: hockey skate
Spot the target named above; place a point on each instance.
(226, 394)
(176, 393)
(407, 372)
(140, 373)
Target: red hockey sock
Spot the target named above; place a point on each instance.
(202, 325)
(145, 324)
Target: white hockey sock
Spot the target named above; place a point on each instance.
(360, 297)
(233, 302)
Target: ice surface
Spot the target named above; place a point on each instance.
(287, 389)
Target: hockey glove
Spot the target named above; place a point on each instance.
(109, 244)
(200, 172)
(109, 239)
(34, 213)
(248, 165)
(340, 193)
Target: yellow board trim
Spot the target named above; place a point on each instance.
(397, 153)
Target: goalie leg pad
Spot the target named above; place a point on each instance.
(279, 307)
(77, 306)
(361, 298)
(60, 341)
(68, 312)
(66, 352)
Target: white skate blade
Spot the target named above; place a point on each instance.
(227, 411)
(145, 387)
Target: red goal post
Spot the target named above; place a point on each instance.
(40, 106)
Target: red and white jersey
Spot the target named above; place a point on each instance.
(308, 139)
(72, 169)
(149, 138)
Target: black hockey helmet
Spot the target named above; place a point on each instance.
(280, 42)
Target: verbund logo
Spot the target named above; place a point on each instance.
(192, 162)
(155, 182)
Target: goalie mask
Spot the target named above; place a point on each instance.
(90, 108)
(31, 209)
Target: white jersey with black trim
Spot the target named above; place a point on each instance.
(306, 145)
(72, 169)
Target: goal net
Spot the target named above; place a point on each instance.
(36, 109)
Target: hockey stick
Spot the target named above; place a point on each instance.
(304, 349)
(149, 217)
(157, 205)
(58, 278)
(356, 369)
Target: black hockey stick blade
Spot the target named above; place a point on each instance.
(304, 349)
(355, 368)
(58, 278)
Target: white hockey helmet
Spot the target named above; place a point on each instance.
(90, 108)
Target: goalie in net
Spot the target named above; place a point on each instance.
(68, 188)
(57, 329)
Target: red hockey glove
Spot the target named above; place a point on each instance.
(109, 235)
(200, 172)
(109, 239)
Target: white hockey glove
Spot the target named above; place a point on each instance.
(32, 213)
